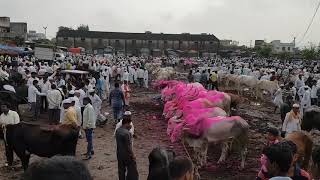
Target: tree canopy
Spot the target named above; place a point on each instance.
(83, 27)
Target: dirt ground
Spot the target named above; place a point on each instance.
(150, 129)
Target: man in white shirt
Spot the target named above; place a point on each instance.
(89, 123)
(140, 75)
(32, 99)
(45, 87)
(54, 99)
(96, 101)
(32, 78)
(8, 120)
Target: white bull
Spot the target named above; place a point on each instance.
(229, 133)
(264, 85)
(244, 81)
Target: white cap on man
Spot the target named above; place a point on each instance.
(71, 92)
(91, 90)
(296, 105)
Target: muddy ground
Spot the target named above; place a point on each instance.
(150, 129)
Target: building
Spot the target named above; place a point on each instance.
(4, 24)
(228, 43)
(138, 43)
(12, 31)
(259, 43)
(34, 36)
(279, 47)
(20, 29)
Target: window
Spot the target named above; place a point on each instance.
(196, 42)
(211, 42)
(117, 41)
(100, 41)
(150, 42)
(283, 48)
(165, 42)
(134, 42)
(278, 48)
(289, 48)
(83, 39)
(65, 38)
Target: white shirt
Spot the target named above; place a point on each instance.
(54, 99)
(30, 81)
(32, 94)
(11, 118)
(45, 87)
(140, 73)
(89, 117)
(119, 124)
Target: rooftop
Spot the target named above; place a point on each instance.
(138, 36)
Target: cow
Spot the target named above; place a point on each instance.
(27, 139)
(304, 147)
(311, 119)
(264, 85)
(244, 81)
(229, 132)
(159, 161)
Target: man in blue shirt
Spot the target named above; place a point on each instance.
(117, 102)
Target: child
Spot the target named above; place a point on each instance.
(272, 138)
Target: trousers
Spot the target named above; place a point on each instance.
(89, 137)
(54, 115)
(129, 167)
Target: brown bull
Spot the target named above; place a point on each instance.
(304, 147)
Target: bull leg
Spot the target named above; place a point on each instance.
(204, 152)
(224, 152)
(244, 153)
(25, 161)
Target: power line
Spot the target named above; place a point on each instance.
(314, 15)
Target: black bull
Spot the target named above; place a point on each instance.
(26, 139)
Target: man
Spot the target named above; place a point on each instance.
(45, 86)
(146, 78)
(214, 80)
(32, 78)
(89, 123)
(117, 101)
(96, 101)
(32, 99)
(127, 168)
(197, 76)
(70, 115)
(204, 78)
(8, 120)
(60, 82)
(299, 82)
(126, 91)
(279, 160)
(181, 169)
(140, 75)
(126, 115)
(54, 99)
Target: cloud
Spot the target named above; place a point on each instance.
(242, 20)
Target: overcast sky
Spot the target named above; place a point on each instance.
(241, 20)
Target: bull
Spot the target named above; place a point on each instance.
(311, 119)
(26, 139)
(159, 161)
(230, 132)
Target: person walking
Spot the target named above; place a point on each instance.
(126, 91)
(127, 167)
(89, 124)
(117, 101)
(8, 120)
(292, 121)
(54, 99)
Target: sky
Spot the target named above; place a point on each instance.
(240, 20)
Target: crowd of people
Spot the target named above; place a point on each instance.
(76, 101)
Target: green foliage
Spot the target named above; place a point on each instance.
(264, 51)
(83, 27)
(285, 56)
(309, 54)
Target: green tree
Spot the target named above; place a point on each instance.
(83, 27)
(309, 54)
(264, 51)
(284, 56)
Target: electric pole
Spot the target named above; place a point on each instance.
(45, 31)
